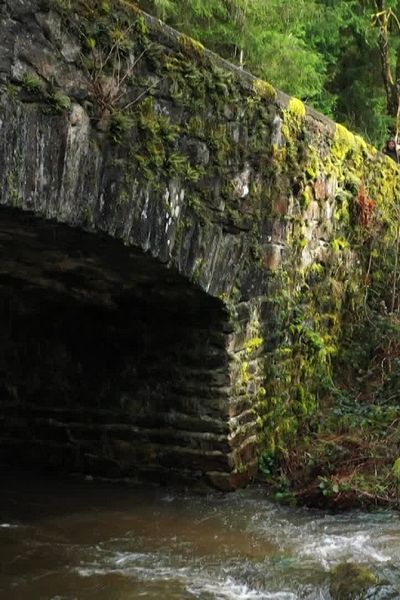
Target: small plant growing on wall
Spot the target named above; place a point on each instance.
(111, 57)
(109, 76)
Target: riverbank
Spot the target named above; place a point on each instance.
(346, 455)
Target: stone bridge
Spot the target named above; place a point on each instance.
(154, 199)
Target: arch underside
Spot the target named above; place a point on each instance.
(111, 364)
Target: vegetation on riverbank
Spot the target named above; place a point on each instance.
(347, 445)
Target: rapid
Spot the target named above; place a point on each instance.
(93, 540)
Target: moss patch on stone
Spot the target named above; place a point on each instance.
(264, 89)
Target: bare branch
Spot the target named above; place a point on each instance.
(146, 91)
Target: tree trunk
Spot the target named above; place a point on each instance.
(391, 84)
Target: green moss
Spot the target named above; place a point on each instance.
(264, 89)
(195, 127)
(120, 124)
(339, 244)
(311, 173)
(190, 46)
(219, 143)
(292, 129)
(344, 143)
(306, 198)
(244, 374)
(297, 108)
(252, 345)
(240, 467)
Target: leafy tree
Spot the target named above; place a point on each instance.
(388, 25)
(348, 42)
(342, 56)
(265, 37)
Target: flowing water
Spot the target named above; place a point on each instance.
(90, 540)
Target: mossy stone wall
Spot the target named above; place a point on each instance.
(114, 123)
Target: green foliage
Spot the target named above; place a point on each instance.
(329, 487)
(59, 102)
(33, 84)
(120, 124)
(299, 370)
(324, 52)
(333, 338)
(268, 38)
(267, 464)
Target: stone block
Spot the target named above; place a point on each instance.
(229, 482)
(280, 205)
(313, 212)
(195, 459)
(321, 189)
(272, 259)
(274, 230)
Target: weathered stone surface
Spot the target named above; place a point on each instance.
(141, 250)
(273, 257)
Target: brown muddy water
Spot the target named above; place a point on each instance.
(90, 540)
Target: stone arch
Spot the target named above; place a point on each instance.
(112, 364)
(61, 168)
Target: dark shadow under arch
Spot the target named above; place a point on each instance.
(111, 364)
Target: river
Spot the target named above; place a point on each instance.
(92, 540)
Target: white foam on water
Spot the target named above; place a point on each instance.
(91, 571)
(324, 540)
(331, 549)
(148, 567)
(229, 589)
(123, 559)
(310, 542)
